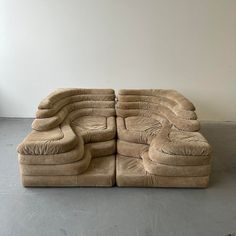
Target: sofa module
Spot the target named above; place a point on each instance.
(158, 141)
(73, 141)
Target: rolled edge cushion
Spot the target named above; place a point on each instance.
(97, 149)
(179, 99)
(170, 170)
(58, 140)
(136, 149)
(58, 118)
(74, 168)
(180, 123)
(77, 102)
(73, 155)
(62, 93)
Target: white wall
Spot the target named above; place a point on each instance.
(187, 45)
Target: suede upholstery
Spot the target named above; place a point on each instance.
(73, 141)
(158, 141)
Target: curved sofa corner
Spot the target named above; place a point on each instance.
(72, 142)
(159, 144)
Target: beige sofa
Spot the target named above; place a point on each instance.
(73, 142)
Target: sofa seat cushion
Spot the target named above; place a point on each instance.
(130, 172)
(138, 129)
(95, 128)
(177, 142)
(91, 122)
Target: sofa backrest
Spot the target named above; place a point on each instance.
(64, 105)
(169, 104)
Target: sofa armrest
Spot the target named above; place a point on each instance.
(57, 140)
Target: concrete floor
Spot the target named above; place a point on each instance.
(119, 211)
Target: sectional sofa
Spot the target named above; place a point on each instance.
(142, 138)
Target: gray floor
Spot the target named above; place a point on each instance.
(119, 211)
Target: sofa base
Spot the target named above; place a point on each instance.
(100, 173)
(131, 173)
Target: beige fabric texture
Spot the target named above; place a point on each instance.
(73, 141)
(158, 141)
